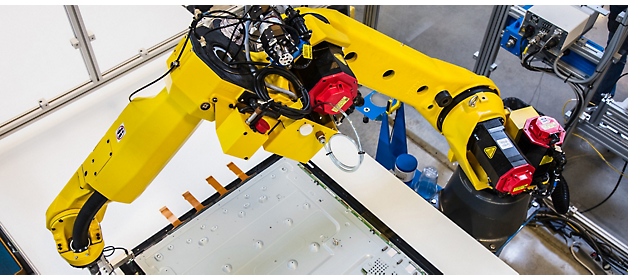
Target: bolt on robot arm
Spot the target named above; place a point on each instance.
(280, 92)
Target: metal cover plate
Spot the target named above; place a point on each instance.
(282, 221)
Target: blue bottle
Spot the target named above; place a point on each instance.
(405, 167)
(426, 185)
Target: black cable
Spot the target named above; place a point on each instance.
(80, 230)
(544, 217)
(261, 90)
(610, 87)
(150, 84)
(611, 194)
(248, 62)
(579, 100)
(113, 250)
(617, 261)
(240, 21)
(526, 63)
(254, 20)
(173, 65)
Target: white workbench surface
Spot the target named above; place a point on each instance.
(417, 222)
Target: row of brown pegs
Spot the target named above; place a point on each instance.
(194, 202)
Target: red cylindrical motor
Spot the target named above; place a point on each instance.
(329, 79)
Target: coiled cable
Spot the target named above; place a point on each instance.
(262, 92)
(358, 145)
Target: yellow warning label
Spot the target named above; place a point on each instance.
(546, 159)
(519, 188)
(340, 103)
(307, 51)
(490, 151)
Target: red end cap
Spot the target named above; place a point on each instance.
(539, 129)
(516, 180)
(339, 89)
(262, 126)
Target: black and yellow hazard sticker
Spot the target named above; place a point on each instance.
(519, 188)
(307, 51)
(340, 103)
(490, 151)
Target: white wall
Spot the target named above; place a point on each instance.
(37, 161)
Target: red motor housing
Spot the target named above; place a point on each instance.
(329, 79)
(542, 130)
(516, 180)
(338, 89)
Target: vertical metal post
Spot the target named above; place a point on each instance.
(371, 15)
(591, 89)
(490, 43)
(80, 32)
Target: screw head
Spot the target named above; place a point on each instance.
(205, 106)
(214, 99)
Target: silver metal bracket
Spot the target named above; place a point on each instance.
(91, 35)
(101, 267)
(74, 42)
(493, 67)
(598, 8)
(616, 57)
(81, 41)
(43, 104)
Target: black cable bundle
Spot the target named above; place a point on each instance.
(262, 92)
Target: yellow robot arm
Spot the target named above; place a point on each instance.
(400, 72)
(149, 131)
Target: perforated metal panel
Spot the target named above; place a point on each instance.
(282, 221)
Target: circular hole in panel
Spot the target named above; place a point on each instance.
(388, 74)
(379, 99)
(351, 57)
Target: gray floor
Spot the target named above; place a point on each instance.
(453, 34)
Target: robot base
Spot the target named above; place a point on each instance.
(484, 215)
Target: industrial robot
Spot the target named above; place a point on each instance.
(280, 78)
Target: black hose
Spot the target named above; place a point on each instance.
(576, 112)
(544, 217)
(262, 92)
(80, 232)
(560, 196)
(611, 194)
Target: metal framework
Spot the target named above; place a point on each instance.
(371, 15)
(84, 44)
(97, 79)
(608, 125)
(485, 62)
